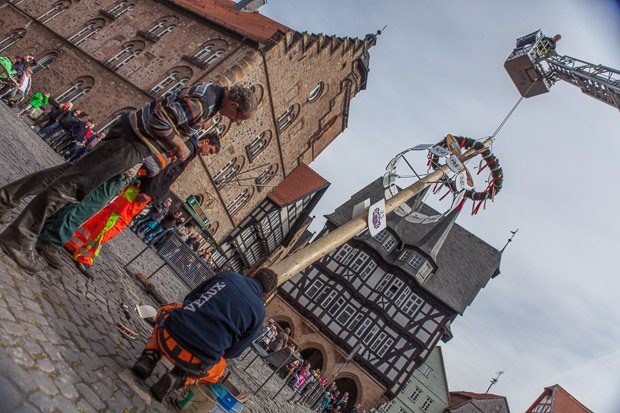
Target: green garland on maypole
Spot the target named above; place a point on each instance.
(488, 159)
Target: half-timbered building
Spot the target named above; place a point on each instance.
(394, 295)
(274, 227)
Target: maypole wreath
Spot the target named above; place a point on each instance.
(488, 161)
(460, 184)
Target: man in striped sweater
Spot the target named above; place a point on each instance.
(158, 129)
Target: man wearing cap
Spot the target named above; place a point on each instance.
(217, 321)
(158, 128)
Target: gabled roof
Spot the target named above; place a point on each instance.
(560, 401)
(459, 399)
(254, 26)
(300, 183)
(465, 263)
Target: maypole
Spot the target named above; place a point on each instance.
(305, 257)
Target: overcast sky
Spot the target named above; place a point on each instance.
(553, 314)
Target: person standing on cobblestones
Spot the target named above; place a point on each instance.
(217, 321)
(159, 209)
(89, 220)
(156, 129)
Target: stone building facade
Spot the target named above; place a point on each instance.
(392, 297)
(110, 56)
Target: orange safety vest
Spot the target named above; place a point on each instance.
(86, 242)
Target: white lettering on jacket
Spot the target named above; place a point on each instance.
(204, 298)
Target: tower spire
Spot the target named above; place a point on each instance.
(496, 378)
(509, 240)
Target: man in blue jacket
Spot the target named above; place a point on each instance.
(217, 321)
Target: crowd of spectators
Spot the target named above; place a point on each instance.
(61, 126)
(157, 221)
(324, 395)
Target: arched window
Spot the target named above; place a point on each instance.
(218, 127)
(240, 201)
(91, 28)
(316, 92)
(258, 92)
(162, 27)
(228, 171)
(175, 79)
(258, 144)
(212, 227)
(56, 10)
(11, 38)
(44, 61)
(80, 87)
(115, 116)
(209, 52)
(285, 120)
(120, 8)
(126, 54)
(267, 175)
(212, 58)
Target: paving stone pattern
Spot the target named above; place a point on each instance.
(60, 349)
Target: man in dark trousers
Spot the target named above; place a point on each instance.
(60, 227)
(156, 129)
(217, 321)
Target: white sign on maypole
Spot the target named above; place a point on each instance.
(376, 217)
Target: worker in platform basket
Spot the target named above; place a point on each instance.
(217, 321)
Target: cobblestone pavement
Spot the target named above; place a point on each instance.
(60, 348)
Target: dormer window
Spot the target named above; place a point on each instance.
(404, 255)
(381, 236)
(415, 261)
(424, 272)
(389, 244)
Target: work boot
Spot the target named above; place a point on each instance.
(145, 364)
(24, 258)
(51, 255)
(167, 384)
(85, 270)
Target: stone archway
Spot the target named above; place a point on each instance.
(285, 322)
(313, 356)
(349, 385)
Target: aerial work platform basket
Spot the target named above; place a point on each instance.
(525, 65)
